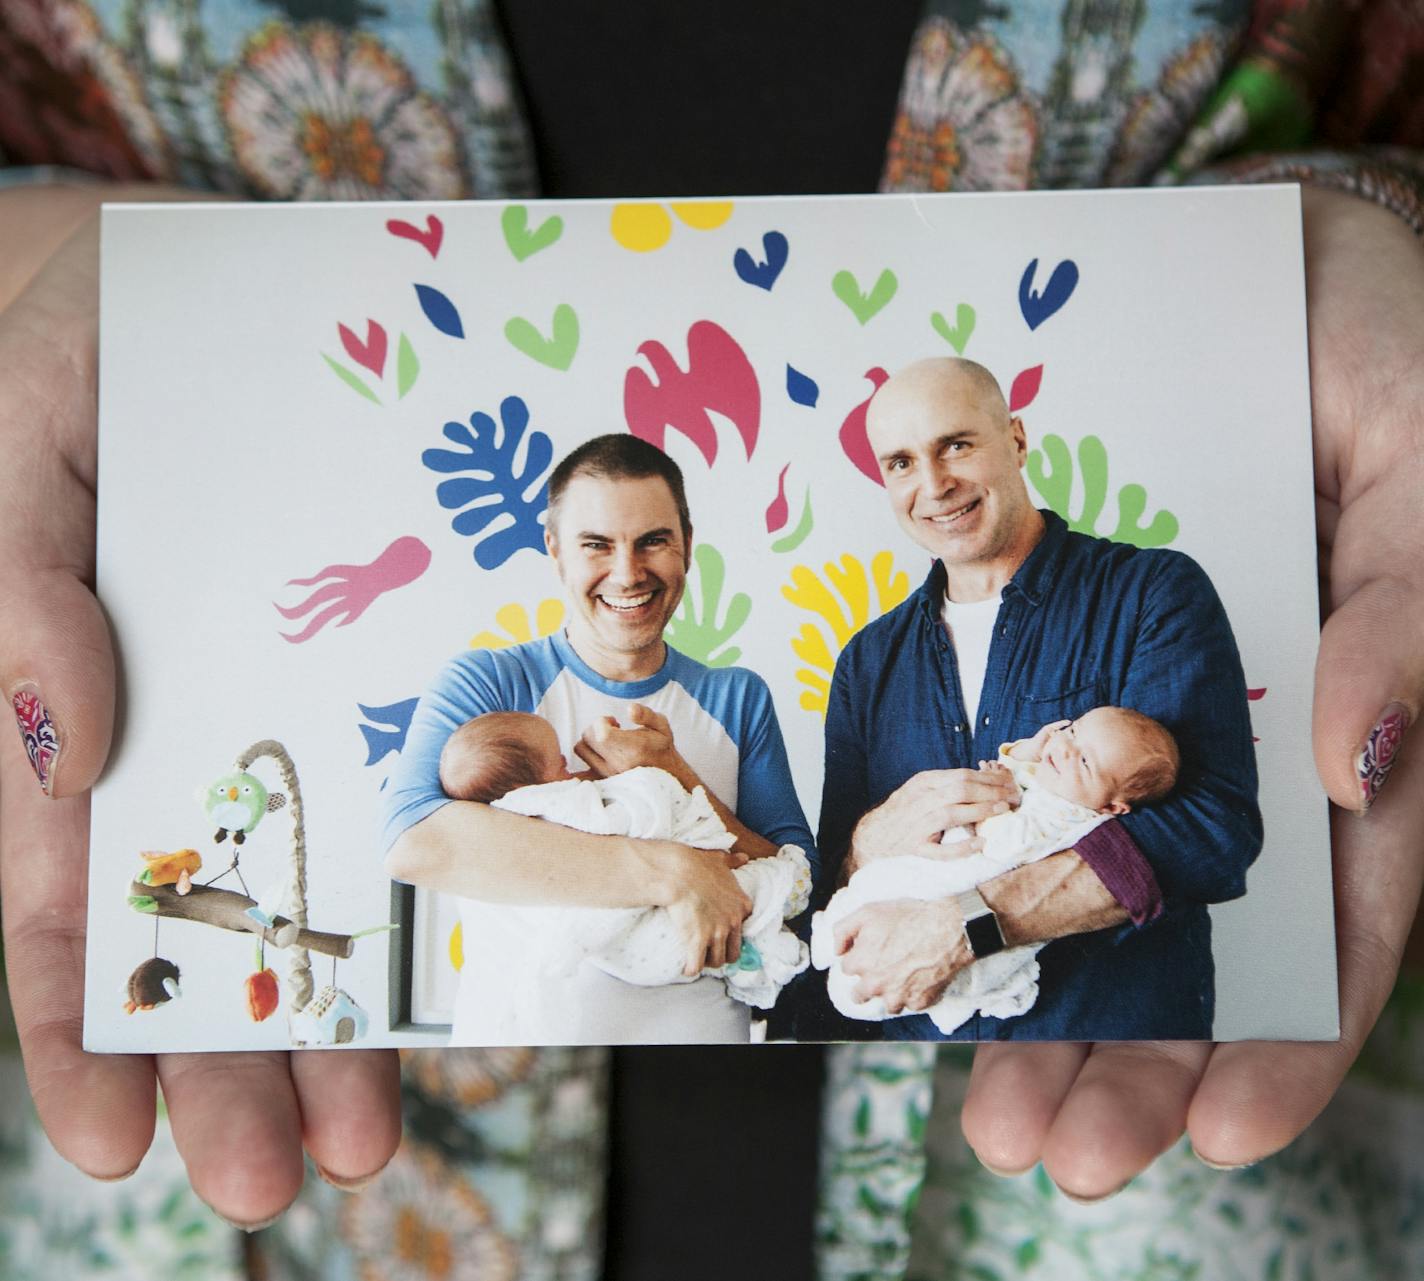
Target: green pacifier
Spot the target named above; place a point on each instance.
(749, 958)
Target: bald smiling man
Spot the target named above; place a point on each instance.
(1022, 622)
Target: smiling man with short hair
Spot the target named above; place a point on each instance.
(619, 534)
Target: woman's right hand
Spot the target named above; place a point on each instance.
(239, 1120)
(706, 905)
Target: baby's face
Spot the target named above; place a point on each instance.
(542, 739)
(1089, 760)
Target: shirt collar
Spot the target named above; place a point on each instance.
(1032, 580)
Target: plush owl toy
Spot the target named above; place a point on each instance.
(237, 802)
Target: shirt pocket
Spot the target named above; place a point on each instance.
(1036, 710)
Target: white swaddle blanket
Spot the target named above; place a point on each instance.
(641, 945)
(999, 986)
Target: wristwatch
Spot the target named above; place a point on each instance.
(981, 926)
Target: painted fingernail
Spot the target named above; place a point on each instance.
(1380, 752)
(346, 1185)
(37, 732)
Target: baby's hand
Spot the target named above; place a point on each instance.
(999, 770)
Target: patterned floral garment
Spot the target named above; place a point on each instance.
(501, 1171)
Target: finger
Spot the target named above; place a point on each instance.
(735, 859)
(968, 815)
(734, 946)
(845, 933)
(955, 849)
(1014, 1094)
(98, 1109)
(1369, 674)
(1127, 1105)
(697, 951)
(591, 758)
(238, 1127)
(350, 1105)
(1258, 1096)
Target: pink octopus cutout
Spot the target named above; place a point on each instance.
(356, 586)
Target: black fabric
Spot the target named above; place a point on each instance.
(738, 97)
(713, 1163)
(712, 1150)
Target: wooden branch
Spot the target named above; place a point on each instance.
(227, 910)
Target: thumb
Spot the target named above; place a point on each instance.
(57, 667)
(1368, 680)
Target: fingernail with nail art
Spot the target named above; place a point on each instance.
(1380, 752)
(37, 732)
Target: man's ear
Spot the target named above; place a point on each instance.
(551, 542)
(1020, 436)
(687, 548)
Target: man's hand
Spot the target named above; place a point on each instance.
(707, 906)
(607, 748)
(1097, 1115)
(904, 951)
(239, 1120)
(914, 816)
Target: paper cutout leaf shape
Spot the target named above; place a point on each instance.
(499, 510)
(440, 311)
(694, 629)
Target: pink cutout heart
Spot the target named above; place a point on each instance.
(372, 353)
(431, 237)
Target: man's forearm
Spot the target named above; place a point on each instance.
(748, 842)
(1050, 899)
(479, 852)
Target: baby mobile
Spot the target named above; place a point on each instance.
(237, 803)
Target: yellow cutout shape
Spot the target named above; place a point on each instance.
(703, 215)
(644, 227)
(457, 946)
(842, 601)
(514, 619)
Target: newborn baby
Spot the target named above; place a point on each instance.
(512, 760)
(1073, 775)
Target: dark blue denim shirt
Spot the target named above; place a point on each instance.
(1084, 622)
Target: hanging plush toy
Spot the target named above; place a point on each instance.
(154, 983)
(262, 996)
(237, 802)
(331, 1017)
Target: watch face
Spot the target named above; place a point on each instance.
(983, 934)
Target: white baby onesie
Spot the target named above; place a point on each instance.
(641, 945)
(999, 986)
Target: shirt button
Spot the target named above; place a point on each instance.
(1004, 630)
(959, 729)
(986, 720)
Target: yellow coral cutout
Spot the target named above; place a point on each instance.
(643, 227)
(457, 946)
(845, 610)
(514, 619)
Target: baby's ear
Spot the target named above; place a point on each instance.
(1117, 807)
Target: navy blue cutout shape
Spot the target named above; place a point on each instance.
(1038, 307)
(440, 311)
(800, 388)
(763, 274)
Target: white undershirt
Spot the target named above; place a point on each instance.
(971, 632)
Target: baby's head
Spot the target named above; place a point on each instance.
(1111, 759)
(493, 754)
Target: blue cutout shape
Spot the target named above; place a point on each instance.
(380, 743)
(1038, 307)
(440, 311)
(495, 490)
(763, 274)
(801, 389)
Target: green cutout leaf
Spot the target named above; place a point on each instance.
(407, 367)
(350, 379)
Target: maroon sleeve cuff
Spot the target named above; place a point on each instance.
(1118, 863)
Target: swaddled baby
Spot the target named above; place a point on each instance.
(512, 760)
(1072, 775)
